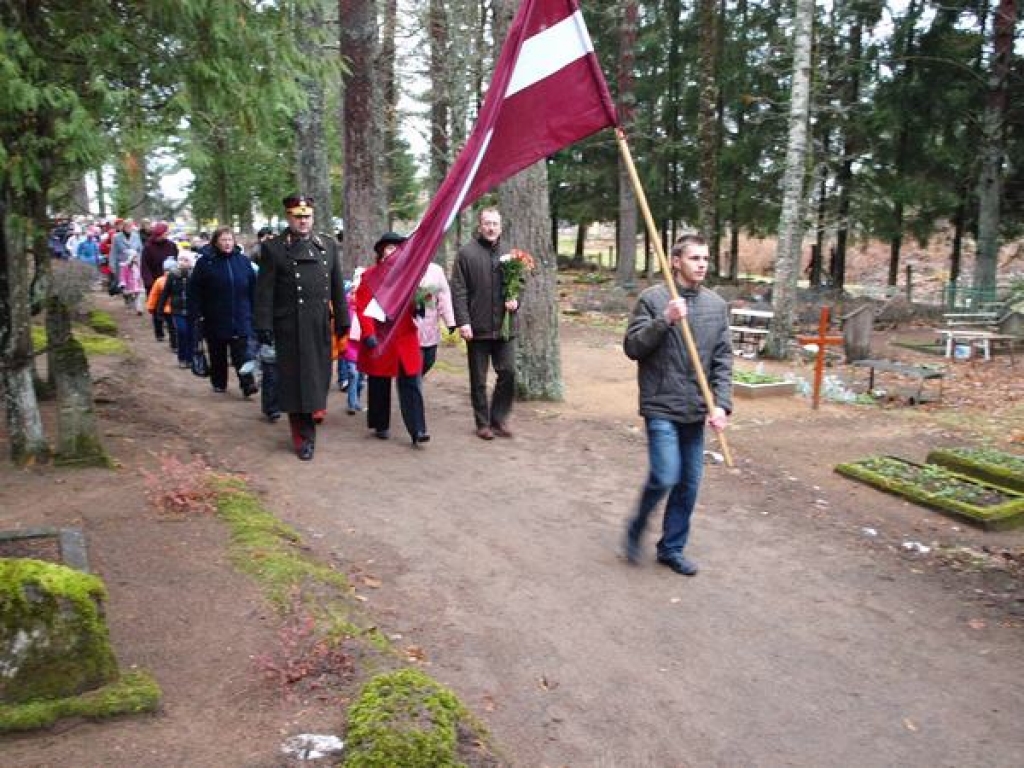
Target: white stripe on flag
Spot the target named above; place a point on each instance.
(469, 180)
(549, 51)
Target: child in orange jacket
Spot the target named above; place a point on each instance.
(165, 317)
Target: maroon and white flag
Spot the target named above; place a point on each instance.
(547, 92)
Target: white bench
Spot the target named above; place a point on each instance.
(749, 327)
(975, 339)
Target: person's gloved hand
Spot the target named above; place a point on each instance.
(370, 342)
(265, 337)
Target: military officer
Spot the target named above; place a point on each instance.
(300, 302)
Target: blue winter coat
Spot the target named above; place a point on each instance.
(220, 291)
(88, 251)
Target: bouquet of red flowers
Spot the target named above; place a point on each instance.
(514, 266)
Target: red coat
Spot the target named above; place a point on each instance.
(403, 347)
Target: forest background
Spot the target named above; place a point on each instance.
(829, 122)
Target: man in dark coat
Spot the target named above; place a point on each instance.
(300, 301)
(479, 301)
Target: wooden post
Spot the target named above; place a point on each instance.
(666, 270)
(822, 340)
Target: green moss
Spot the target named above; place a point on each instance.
(133, 693)
(87, 451)
(753, 377)
(875, 471)
(93, 343)
(404, 718)
(269, 550)
(997, 467)
(102, 322)
(53, 638)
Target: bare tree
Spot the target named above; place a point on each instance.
(990, 185)
(365, 210)
(24, 422)
(625, 269)
(707, 130)
(791, 220)
(311, 159)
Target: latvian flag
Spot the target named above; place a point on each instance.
(547, 93)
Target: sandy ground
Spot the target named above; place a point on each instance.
(811, 636)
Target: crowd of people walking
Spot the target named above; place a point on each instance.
(281, 315)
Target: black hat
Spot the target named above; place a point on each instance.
(264, 232)
(388, 238)
(298, 204)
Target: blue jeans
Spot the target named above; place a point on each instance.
(186, 339)
(355, 380)
(676, 455)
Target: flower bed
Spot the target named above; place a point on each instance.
(752, 384)
(975, 501)
(1003, 469)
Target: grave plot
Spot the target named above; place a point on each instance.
(975, 501)
(997, 467)
(754, 384)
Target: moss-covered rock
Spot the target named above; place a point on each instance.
(404, 718)
(53, 638)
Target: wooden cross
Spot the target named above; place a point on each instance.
(822, 340)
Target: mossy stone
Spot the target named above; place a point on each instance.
(404, 718)
(54, 641)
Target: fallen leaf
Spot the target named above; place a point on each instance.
(415, 653)
(976, 624)
(371, 582)
(909, 724)
(489, 704)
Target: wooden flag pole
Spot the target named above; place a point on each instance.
(666, 270)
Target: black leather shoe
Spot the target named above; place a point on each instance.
(381, 434)
(679, 563)
(273, 416)
(420, 437)
(305, 451)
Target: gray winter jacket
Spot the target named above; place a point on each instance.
(668, 385)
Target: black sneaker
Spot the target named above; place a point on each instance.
(679, 563)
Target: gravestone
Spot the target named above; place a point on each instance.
(857, 326)
(53, 637)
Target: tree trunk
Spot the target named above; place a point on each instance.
(581, 239)
(844, 179)
(24, 423)
(707, 130)
(895, 246)
(440, 108)
(524, 206)
(313, 168)
(625, 268)
(993, 151)
(791, 219)
(525, 212)
(78, 438)
(365, 209)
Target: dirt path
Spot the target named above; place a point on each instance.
(804, 641)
